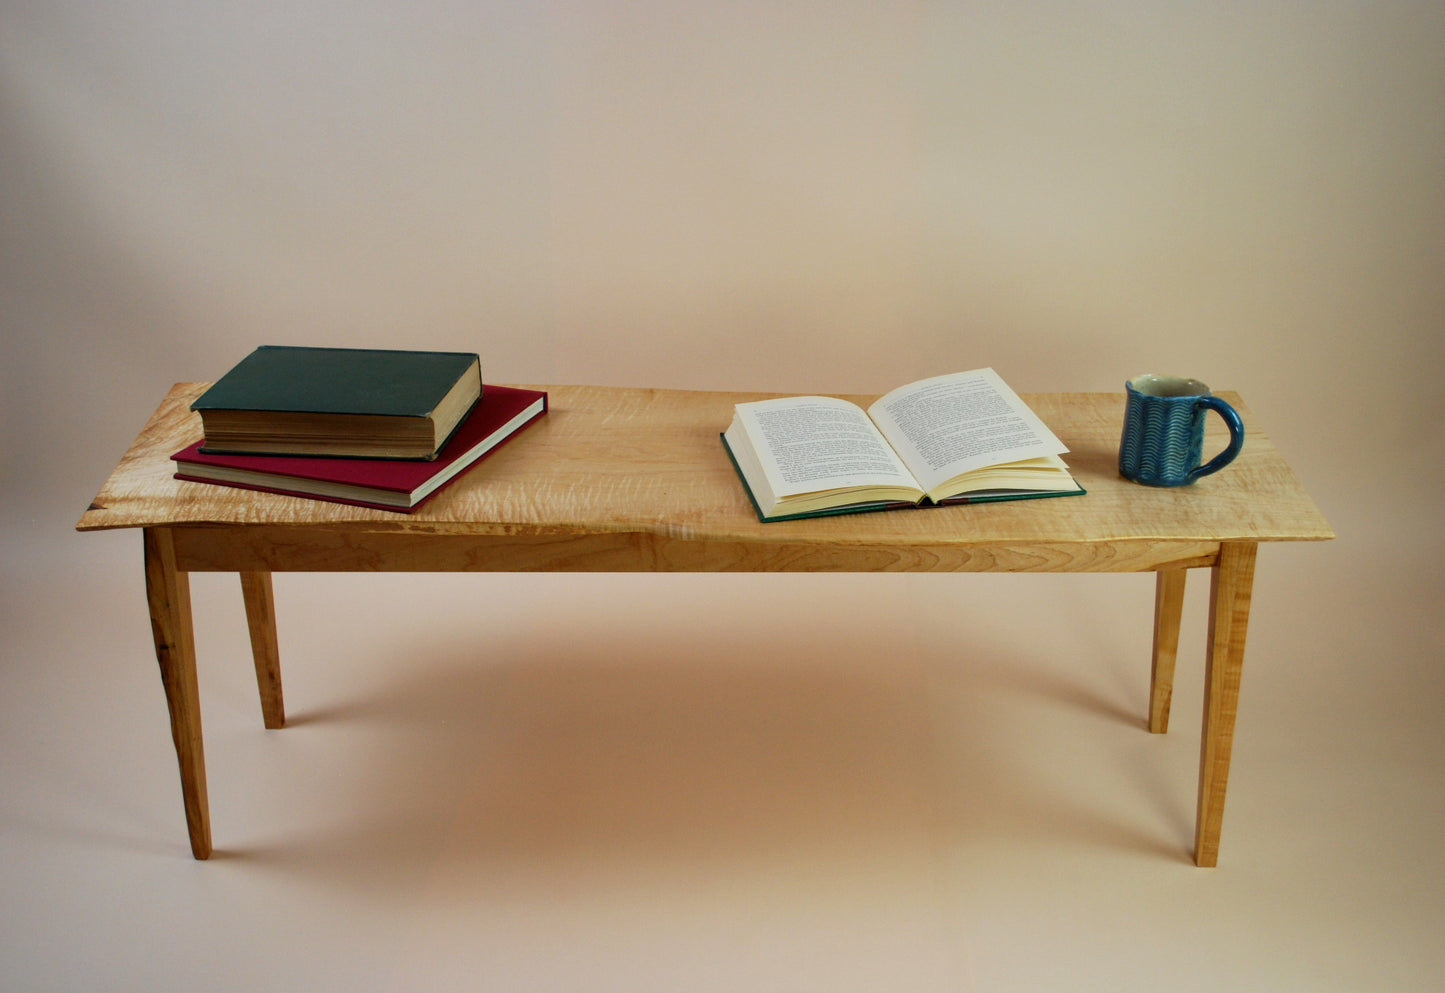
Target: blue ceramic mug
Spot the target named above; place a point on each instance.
(1163, 440)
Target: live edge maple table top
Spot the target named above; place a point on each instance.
(617, 479)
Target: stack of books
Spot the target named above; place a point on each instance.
(374, 427)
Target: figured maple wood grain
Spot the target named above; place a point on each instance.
(1231, 586)
(260, 600)
(281, 549)
(168, 594)
(1168, 615)
(645, 473)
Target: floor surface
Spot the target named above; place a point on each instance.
(698, 783)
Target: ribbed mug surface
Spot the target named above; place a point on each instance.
(1163, 439)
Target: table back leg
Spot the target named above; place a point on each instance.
(1168, 612)
(1232, 583)
(261, 619)
(168, 593)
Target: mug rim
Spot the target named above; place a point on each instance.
(1152, 384)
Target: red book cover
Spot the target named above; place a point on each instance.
(389, 484)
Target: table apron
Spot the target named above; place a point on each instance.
(260, 548)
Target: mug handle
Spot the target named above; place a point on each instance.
(1236, 437)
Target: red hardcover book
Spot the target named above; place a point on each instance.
(388, 484)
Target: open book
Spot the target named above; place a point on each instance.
(951, 439)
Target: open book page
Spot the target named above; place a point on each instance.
(806, 444)
(953, 424)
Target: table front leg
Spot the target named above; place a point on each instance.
(261, 619)
(1232, 582)
(168, 593)
(1168, 612)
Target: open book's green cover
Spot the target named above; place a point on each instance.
(982, 496)
(364, 381)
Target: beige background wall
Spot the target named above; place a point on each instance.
(829, 197)
(790, 196)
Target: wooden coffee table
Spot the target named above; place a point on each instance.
(635, 479)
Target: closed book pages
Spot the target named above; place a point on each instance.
(389, 484)
(356, 402)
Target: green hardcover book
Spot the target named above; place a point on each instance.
(344, 402)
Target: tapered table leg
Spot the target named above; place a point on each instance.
(261, 619)
(168, 593)
(1232, 582)
(1168, 611)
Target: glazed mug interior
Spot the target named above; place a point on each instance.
(1153, 385)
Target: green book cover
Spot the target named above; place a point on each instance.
(362, 381)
